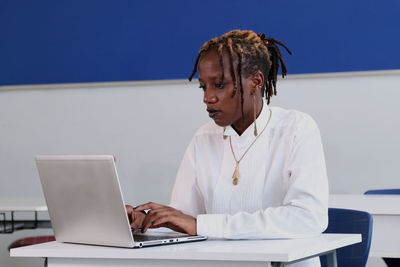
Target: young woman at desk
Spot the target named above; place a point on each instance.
(256, 171)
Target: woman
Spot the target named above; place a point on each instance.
(256, 171)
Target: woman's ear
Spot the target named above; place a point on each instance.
(257, 80)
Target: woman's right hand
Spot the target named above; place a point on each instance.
(136, 218)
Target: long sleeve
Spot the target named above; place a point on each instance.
(303, 211)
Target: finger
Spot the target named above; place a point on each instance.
(168, 221)
(159, 225)
(176, 221)
(159, 217)
(154, 214)
(128, 208)
(136, 219)
(129, 211)
(162, 220)
(135, 226)
(146, 227)
(148, 206)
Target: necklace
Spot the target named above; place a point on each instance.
(235, 175)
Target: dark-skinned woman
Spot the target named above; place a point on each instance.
(255, 171)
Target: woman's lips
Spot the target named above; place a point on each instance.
(212, 113)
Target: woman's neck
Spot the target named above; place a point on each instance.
(241, 125)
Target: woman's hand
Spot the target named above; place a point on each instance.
(165, 216)
(136, 218)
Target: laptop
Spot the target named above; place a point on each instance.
(86, 205)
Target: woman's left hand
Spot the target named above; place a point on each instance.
(165, 216)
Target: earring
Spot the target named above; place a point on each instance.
(255, 115)
(223, 134)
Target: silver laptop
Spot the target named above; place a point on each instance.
(86, 206)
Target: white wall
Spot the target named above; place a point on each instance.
(360, 125)
(148, 126)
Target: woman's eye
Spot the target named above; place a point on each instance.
(219, 85)
(202, 87)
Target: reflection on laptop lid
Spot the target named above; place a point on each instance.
(86, 206)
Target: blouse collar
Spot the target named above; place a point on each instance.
(261, 121)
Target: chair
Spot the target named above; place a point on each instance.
(346, 221)
(391, 262)
(383, 192)
(27, 241)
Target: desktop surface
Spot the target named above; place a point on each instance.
(374, 204)
(276, 250)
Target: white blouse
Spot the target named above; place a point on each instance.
(283, 186)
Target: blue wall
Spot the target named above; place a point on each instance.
(48, 41)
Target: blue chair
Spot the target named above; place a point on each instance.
(383, 192)
(344, 221)
(391, 262)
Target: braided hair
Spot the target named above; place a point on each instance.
(254, 52)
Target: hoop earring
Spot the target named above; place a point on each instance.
(255, 115)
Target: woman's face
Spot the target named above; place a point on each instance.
(221, 106)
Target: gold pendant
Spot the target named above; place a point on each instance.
(235, 175)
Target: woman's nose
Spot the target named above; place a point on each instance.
(209, 97)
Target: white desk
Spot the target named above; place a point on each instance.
(385, 210)
(12, 205)
(22, 204)
(211, 252)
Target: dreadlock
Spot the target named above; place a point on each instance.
(254, 52)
